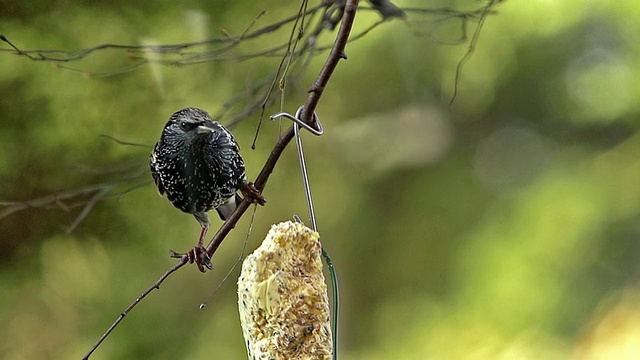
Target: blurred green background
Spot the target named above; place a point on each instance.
(505, 226)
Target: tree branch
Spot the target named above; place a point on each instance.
(139, 299)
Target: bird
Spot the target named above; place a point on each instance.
(334, 12)
(387, 9)
(197, 164)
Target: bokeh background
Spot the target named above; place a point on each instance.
(505, 226)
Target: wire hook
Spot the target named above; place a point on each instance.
(296, 119)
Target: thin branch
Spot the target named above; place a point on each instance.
(470, 49)
(315, 93)
(14, 206)
(176, 49)
(219, 49)
(86, 197)
(88, 206)
(126, 311)
(324, 16)
(288, 53)
(122, 142)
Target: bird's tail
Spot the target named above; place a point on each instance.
(225, 210)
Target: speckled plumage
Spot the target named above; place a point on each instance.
(197, 164)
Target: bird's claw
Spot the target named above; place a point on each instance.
(197, 255)
(249, 190)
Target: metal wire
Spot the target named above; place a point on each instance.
(319, 130)
(315, 131)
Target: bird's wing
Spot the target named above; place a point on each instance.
(154, 173)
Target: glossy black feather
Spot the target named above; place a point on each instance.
(197, 164)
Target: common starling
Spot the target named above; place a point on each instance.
(334, 13)
(387, 9)
(197, 163)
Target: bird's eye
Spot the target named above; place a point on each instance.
(185, 126)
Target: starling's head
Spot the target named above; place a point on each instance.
(188, 124)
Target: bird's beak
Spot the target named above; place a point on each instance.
(206, 128)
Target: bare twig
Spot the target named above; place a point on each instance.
(315, 93)
(186, 51)
(126, 311)
(288, 54)
(87, 196)
(471, 48)
(220, 49)
(88, 206)
(122, 142)
(57, 199)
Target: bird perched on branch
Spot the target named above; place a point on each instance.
(197, 163)
(387, 9)
(336, 9)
